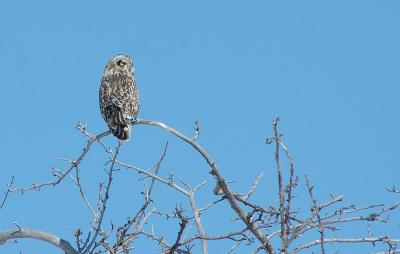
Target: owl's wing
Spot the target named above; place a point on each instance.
(125, 97)
(106, 106)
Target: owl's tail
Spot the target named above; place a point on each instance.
(119, 126)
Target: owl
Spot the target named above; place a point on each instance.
(118, 96)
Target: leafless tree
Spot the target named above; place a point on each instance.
(278, 227)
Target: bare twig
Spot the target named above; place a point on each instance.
(156, 177)
(393, 189)
(9, 187)
(84, 198)
(299, 229)
(316, 209)
(196, 130)
(182, 225)
(282, 207)
(253, 187)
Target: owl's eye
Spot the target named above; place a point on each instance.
(121, 63)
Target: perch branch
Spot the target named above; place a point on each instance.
(266, 245)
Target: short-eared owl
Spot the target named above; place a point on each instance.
(119, 98)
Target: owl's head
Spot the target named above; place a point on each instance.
(120, 64)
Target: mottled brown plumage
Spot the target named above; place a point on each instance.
(118, 96)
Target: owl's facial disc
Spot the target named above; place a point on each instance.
(122, 64)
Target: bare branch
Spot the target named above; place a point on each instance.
(38, 235)
(196, 214)
(382, 239)
(140, 218)
(104, 200)
(266, 245)
(74, 163)
(260, 222)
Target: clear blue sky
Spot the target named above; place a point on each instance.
(329, 69)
